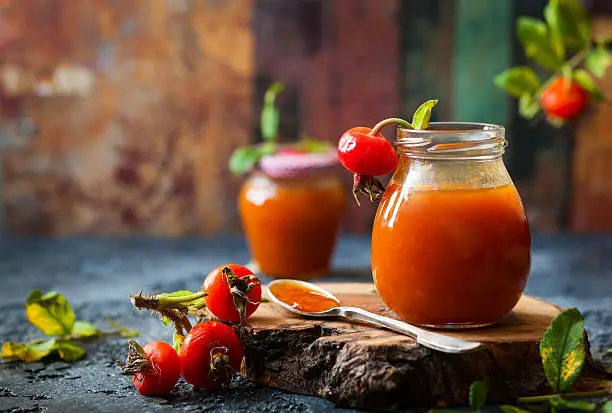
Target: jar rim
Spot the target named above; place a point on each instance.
(453, 140)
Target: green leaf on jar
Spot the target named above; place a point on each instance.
(538, 43)
(270, 115)
(562, 350)
(421, 117)
(244, 159)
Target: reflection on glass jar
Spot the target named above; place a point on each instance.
(291, 220)
(451, 242)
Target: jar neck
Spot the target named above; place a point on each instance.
(438, 174)
(453, 141)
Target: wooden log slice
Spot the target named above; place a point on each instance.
(361, 366)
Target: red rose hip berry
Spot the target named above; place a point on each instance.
(234, 292)
(564, 99)
(210, 355)
(155, 369)
(365, 154)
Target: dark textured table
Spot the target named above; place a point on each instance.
(97, 275)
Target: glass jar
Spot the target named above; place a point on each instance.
(451, 242)
(291, 220)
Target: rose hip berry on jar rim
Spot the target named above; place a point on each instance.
(451, 245)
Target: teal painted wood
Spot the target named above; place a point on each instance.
(482, 49)
(426, 63)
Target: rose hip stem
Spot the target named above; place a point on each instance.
(390, 121)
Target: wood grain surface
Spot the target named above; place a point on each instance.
(367, 367)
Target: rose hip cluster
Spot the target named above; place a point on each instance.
(207, 354)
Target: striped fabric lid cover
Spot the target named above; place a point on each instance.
(297, 164)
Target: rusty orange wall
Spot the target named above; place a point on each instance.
(141, 147)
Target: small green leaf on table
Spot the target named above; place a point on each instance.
(559, 404)
(518, 81)
(478, 395)
(84, 329)
(28, 352)
(538, 43)
(569, 21)
(563, 350)
(598, 61)
(39, 349)
(69, 351)
(123, 330)
(420, 119)
(512, 409)
(50, 312)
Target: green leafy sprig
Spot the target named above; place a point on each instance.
(245, 158)
(563, 352)
(53, 315)
(561, 45)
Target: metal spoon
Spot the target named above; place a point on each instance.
(436, 341)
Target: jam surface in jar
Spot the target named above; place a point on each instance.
(302, 298)
(291, 224)
(458, 256)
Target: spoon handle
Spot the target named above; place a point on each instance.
(436, 341)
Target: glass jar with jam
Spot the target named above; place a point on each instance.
(450, 241)
(291, 209)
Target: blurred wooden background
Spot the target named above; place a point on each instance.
(117, 116)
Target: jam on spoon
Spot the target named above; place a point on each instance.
(301, 297)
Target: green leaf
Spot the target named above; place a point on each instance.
(50, 312)
(598, 61)
(177, 341)
(584, 79)
(123, 330)
(28, 352)
(69, 351)
(518, 81)
(560, 404)
(244, 159)
(478, 395)
(270, 115)
(181, 293)
(562, 350)
(84, 329)
(266, 148)
(529, 106)
(569, 21)
(537, 42)
(420, 120)
(312, 145)
(512, 409)
(165, 320)
(607, 408)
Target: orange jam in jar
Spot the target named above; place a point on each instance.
(291, 216)
(451, 244)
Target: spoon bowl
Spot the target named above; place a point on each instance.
(430, 339)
